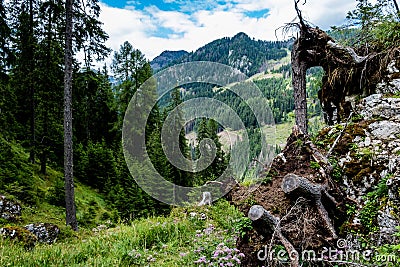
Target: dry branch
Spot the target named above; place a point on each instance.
(207, 200)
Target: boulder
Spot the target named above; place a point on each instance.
(45, 232)
(9, 210)
(20, 234)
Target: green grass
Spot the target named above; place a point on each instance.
(177, 240)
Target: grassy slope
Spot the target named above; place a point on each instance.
(91, 206)
(180, 239)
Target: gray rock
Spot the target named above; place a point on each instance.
(377, 106)
(385, 129)
(9, 210)
(387, 224)
(45, 232)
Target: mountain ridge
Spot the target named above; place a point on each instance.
(240, 51)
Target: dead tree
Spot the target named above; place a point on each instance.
(293, 183)
(265, 223)
(344, 71)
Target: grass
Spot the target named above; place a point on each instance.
(188, 237)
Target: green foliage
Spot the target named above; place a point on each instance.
(56, 193)
(376, 24)
(337, 171)
(249, 55)
(350, 210)
(369, 212)
(242, 226)
(315, 165)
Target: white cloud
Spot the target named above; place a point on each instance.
(189, 32)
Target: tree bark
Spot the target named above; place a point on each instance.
(265, 223)
(68, 151)
(299, 68)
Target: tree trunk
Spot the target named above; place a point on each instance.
(299, 68)
(32, 88)
(68, 152)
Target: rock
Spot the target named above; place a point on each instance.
(21, 234)
(387, 225)
(384, 129)
(9, 210)
(378, 106)
(45, 232)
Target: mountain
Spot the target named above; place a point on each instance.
(165, 58)
(240, 51)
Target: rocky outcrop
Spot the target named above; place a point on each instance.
(372, 161)
(32, 233)
(9, 210)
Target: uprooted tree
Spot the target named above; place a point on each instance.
(346, 72)
(307, 196)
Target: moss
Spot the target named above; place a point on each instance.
(364, 172)
(21, 235)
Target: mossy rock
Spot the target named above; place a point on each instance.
(364, 172)
(19, 234)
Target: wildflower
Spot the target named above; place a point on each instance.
(183, 254)
(202, 259)
(236, 259)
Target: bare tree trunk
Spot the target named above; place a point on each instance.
(299, 68)
(68, 152)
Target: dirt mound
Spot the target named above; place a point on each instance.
(300, 221)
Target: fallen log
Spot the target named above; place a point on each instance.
(293, 183)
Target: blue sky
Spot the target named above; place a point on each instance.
(157, 25)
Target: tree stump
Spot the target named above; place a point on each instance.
(266, 223)
(207, 200)
(293, 183)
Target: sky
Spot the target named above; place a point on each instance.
(153, 26)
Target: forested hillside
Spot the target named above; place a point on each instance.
(240, 51)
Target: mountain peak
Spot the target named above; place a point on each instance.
(241, 35)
